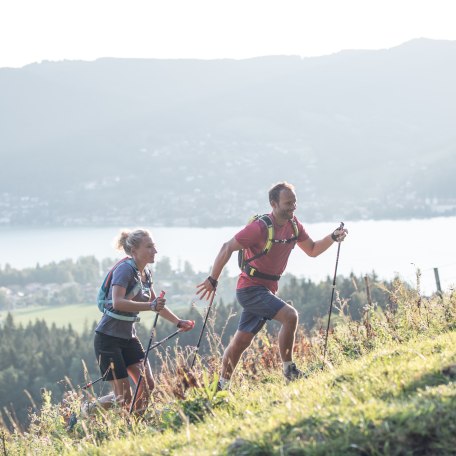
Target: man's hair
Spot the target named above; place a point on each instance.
(274, 193)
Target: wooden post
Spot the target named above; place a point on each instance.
(418, 287)
(369, 306)
(437, 282)
(369, 298)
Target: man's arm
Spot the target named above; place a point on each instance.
(315, 248)
(206, 288)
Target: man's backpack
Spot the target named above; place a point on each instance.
(102, 299)
(244, 263)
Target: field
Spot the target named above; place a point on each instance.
(80, 316)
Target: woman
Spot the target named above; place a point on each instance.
(119, 352)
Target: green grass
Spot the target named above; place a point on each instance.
(80, 316)
(392, 392)
(398, 400)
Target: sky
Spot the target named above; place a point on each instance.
(34, 31)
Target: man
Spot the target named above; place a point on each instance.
(258, 283)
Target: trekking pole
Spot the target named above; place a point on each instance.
(175, 333)
(332, 296)
(202, 330)
(152, 333)
(88, 385)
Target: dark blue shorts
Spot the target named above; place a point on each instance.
(117, 353)
(259, 305)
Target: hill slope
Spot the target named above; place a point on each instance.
(398, 400)
(389, 388)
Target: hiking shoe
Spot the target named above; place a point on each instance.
(293, 373)
(221, 387)
(72, 422)
(88, 408)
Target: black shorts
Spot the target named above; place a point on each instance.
(120, 352)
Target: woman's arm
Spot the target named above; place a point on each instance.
(127, 305)
(158, 304)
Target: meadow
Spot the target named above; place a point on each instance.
(387, 387)
(79, 316)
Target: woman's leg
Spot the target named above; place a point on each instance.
(106, 402)
(109, 351)
(146, 386)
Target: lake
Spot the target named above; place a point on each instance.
(388, 247)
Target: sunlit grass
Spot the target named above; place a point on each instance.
(80, 316)
(387, 387)
(393, 401)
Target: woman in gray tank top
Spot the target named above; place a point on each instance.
(119, 352)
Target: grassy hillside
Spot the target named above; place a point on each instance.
(394, 401)
(390, 388)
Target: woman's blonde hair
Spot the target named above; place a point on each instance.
(129, 239)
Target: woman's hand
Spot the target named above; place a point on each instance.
(158, 304)
(185, 325)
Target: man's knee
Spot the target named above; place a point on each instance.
(293, 315)
(242, 340)
(287, 315)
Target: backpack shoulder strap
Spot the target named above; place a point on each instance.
(295, 228)
(108, 278)
(270, 236)
(103, 294)
(270, 231)
(133, 290)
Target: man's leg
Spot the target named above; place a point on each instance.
(288, 316)
(233, 352)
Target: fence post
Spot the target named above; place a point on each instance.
(368, 307)
(369, 298)
(437, 282)
(418, 288)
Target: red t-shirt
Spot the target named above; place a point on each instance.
(253, 238)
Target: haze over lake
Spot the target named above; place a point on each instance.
(388, 247)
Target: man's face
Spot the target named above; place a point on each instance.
(286, 206)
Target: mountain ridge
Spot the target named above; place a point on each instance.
(362, 120)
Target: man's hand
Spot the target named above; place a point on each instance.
(204, 290)
(339, 234)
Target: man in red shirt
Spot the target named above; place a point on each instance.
(258, 283)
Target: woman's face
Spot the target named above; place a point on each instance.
(145, 252)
